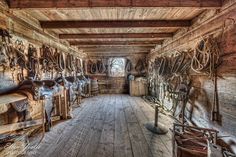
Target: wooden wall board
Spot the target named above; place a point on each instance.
(116, 35)
(21, 4)
(200, 107)
(10, 98)
(208, 23)
(21, 125)
(67, 24)
(114, 13)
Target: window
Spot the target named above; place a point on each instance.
(117, 67)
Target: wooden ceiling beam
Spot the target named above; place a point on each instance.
(114, 24)
(103, 49)
(113, 46)
(125, 43)
(116, 35)
(24, 4)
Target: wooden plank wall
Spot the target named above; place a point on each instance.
(111, 85)
(202, 92)
(26, 29)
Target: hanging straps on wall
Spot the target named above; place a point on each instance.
(60, 62)
(206, 56)
(128, 66)
(101, 66)
(33, 63)
(4, 48)
(140, 66)
(47, 59)
(70, 63)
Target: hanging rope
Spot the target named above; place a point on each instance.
(206, 56)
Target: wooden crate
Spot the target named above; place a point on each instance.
(138, 88)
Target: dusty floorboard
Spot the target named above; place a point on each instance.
(106, 126)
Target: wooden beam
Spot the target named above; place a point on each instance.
(115, 52)
(116, 55)
(137, 43)
(10, 98)
(114, 24)
(8, 128)
(23, 4)
(21, 125)
(208, 27)
(112, 46)
(116, 35)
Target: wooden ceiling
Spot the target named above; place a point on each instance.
(112, 3)
(136, 24)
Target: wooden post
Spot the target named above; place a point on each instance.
(156, 116)
(59, 105)
(43, 116)
(64, 105)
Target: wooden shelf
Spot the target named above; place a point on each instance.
(10, 98)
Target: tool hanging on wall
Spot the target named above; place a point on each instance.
(140, 66)
(215, 115)
(60, 62)
(78, 65)
(47, 59)
(21, 59)
(33, 63)
(92, 67)
(70, 63)
(4, 49)
(206, 59)
(170, 67)
(89, 64)
(128, 66)
(101, 68)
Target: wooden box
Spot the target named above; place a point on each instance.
(138, 88)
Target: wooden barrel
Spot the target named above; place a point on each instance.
(94, 86)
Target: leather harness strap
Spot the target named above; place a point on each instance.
(32, 62)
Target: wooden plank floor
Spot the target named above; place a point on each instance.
(106, 126)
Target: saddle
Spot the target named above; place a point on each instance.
(37, 90)
(20, 106)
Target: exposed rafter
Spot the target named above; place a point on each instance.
(114, 24)
(112, 46)
(21, 4)
(116, 35)
(115, 47)
(137, 43)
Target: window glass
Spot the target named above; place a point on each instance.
(117, 67)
